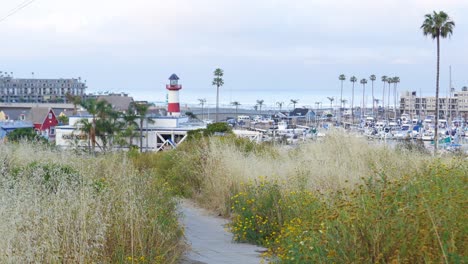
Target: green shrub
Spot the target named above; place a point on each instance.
(27, 134)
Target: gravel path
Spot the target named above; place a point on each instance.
(209, 240)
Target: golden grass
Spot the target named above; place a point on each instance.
(339, 161)
(63, 207)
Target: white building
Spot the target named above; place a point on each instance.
(165, 132)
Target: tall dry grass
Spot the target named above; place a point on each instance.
(340, 200)
(339, 161)
(63, 207)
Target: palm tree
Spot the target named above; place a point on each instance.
(91, 106)
(74, 99)
(353, 79)
(129, 124)
(260, 104)
(363, 82)
(331, 101)
(85, 127)
(106, 124)
(342, 78)
(384, 81)
(437, 25)
(280, 104)
(202, 103)
(218, 82)
(395, 81)
(141, 110)
(236, 104)
(389, 81)
(373, 78)
(294, 102)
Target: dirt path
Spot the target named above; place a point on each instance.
(210, 242)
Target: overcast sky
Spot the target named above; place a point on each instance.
(275, 50)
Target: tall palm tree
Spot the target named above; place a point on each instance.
(294, 102)
(236, 104)
(384, 81)
(280, 104)
(395, 81)
(353, 79)
(342, 78)
(218, 82)
(202, 103)
(373, 78)
(389, 81)
(260, 104)
(363, 82)
(437, 25)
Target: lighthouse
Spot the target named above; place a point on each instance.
(173, 106)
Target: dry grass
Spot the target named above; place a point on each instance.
(60, 207)
(335, 163)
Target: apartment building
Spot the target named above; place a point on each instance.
(14, 90)
(451, 106)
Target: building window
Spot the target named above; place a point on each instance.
(50, 115)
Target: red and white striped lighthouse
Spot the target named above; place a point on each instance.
(173, 106)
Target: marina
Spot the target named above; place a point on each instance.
(452, 136)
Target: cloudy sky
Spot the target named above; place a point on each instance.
(275, 50)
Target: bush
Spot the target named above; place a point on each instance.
(26, 134)
(211, 129)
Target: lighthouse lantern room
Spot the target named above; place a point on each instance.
(173, 105)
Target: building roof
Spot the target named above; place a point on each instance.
(37, 115)
(299, 112)
(173, 77)
(118, 102)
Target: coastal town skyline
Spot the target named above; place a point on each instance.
(294, 51)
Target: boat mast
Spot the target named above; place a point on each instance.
(448, 115)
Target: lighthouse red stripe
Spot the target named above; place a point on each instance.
(173, 107)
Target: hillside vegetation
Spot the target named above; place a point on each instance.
(342, 200)
(64, 207)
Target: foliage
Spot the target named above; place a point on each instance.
(211, 129)
(27, 134)
(63, 119)
(218, 78)
(414, 219)
(112, 127)
(191, 115)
